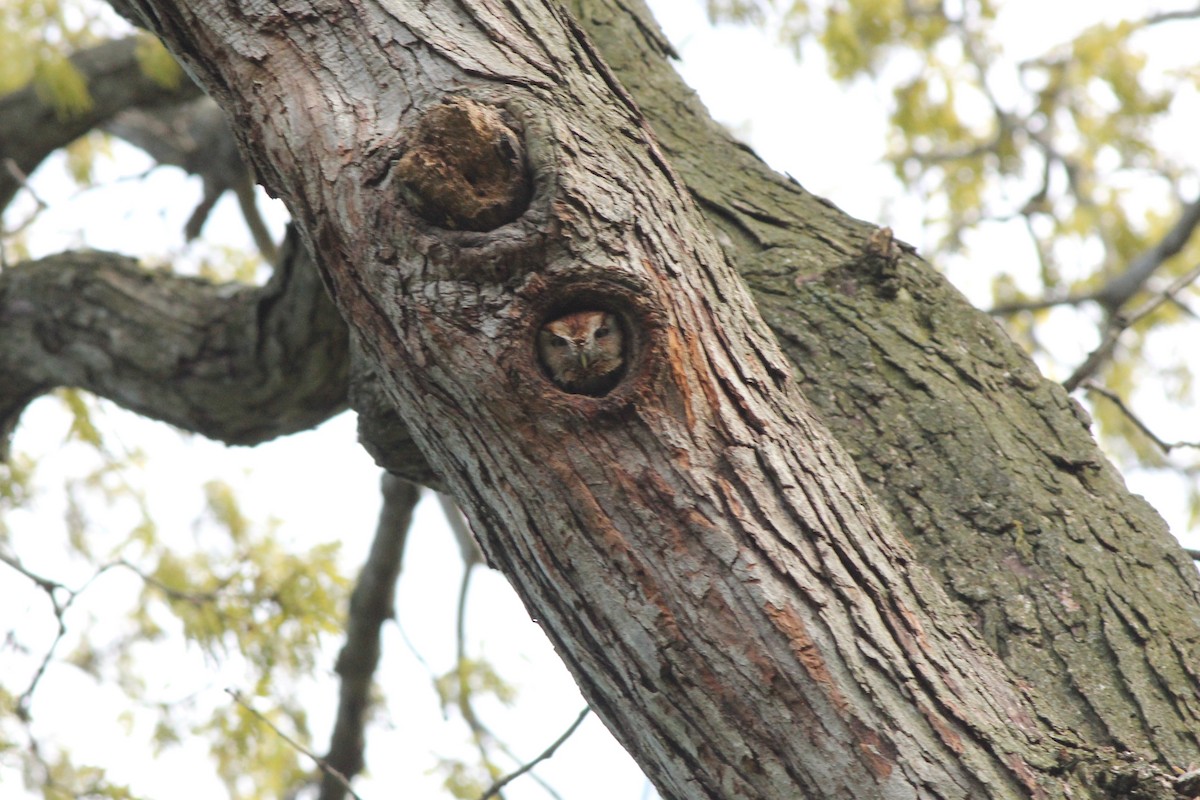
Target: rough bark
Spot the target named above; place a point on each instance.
(240, 364)
(988, 468)
(1074, 582)
(697, 505)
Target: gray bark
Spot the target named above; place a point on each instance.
(743, 614)
(736, 606)
(236, 363)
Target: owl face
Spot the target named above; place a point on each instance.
(583, 352)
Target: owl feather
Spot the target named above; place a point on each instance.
(583, 352)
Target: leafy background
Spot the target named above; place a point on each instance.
(1045, 162)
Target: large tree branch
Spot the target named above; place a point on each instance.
(700, 503)
(988, 468)
(31, 128)
(236, 363)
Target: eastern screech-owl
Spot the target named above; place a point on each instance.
(583, 352)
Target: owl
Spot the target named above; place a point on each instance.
(583, 352)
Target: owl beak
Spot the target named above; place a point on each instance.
(583, 359)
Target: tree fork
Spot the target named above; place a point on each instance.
(731, 599)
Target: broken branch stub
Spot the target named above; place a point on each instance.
(465, 167)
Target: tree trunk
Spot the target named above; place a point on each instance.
(988, 469)
(744, 614)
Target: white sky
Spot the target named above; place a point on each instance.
(323, 487)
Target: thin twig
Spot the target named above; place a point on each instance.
(51, 588)
(1017, 307)
(1120, 322)
(45, 584)
(479, 732)
(321, 763)
(170, 592)
(40, 205)
(1115, 399)
(1170, 16)
(547, 753)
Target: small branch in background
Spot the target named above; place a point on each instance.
(1120, 288)
(22, 181)
(172, 593)
(1115, 399)
(371, 604)
(1119, 323)
(52, 589)
(470, 556)
(462, 532)
(320, 762)
(1004, 309)
(1169, 16)
(480, 733)
(248, 203)
(495, 788)
(196, 137)
(1117, 291)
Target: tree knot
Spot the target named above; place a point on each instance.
(465, 167)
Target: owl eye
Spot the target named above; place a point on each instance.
(556, 342)
(602, 332)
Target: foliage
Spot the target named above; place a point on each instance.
(1059, 149)
(236, 597)
(158, 64)
(36, 36)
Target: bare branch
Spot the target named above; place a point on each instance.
(53, 590)
(1117, 291)
(480, 733)
(321, 763)
(371, 604)
(14, 171)
(1005, 309)
(1170, 16)
(495, 788)
(1113, 294)
(1117, 325)
(196, 137)
(1115, 399)
(31, 128)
